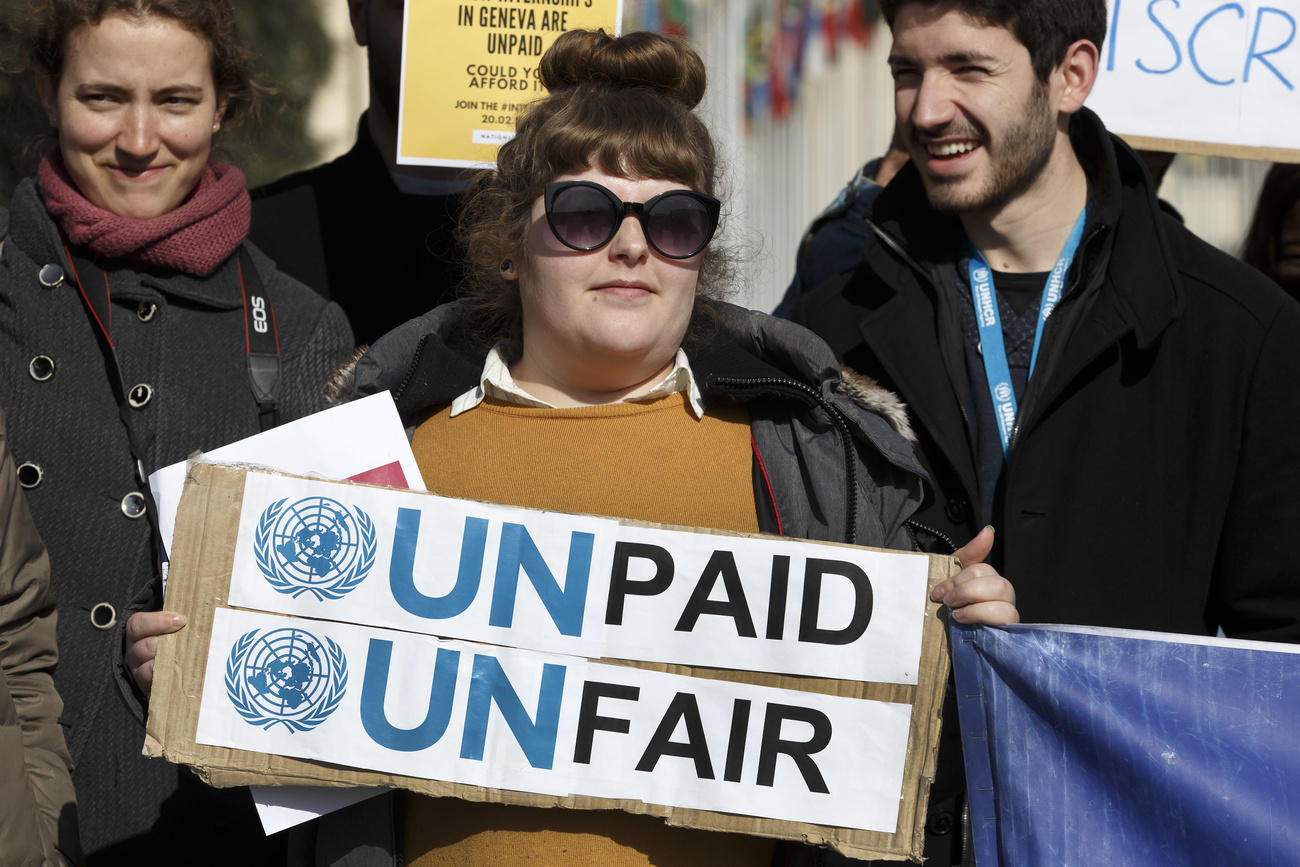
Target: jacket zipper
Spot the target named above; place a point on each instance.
(837, 418)
(942, 537)
(411, 368)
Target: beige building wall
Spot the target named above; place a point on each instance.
(344, 94)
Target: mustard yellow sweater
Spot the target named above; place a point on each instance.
(648, 461)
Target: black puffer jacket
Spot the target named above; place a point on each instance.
(838, 463)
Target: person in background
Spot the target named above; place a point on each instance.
(137, 325)
(1085, 373)
(590, 369)
(1158, 164)
(38, 813)
(373, 236)
(1273, 242)
(833, 242)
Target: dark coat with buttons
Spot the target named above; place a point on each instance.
(184, 338)
(1153, 480)
(38, 818)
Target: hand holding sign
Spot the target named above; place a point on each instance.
(142, 631)
(978, 594)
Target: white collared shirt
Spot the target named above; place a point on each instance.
(497, 382)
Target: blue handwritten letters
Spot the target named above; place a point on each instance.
(1202, 70)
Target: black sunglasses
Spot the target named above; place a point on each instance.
(586, 216)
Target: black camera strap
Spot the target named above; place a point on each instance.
(98, 297)
(261, 345)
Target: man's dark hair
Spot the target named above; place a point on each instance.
(1046, 27)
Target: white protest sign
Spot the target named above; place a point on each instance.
(576, 584)
(1203, 71)
(527, 721)
(362, 439)
(359, 437)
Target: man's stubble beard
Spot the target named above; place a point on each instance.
(1022, 152)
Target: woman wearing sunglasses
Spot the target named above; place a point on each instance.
(589, 370)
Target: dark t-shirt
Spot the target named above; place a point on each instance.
(1019, 296)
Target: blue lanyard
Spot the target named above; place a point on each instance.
(996, 369)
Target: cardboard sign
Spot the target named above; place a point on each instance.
(577, 585)
(362, 440)
(520, 706)
(469, 68)
(1203, 76)
(558, 725)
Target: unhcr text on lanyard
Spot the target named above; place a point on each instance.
(996, 369)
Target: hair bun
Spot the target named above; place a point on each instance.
(641, 59)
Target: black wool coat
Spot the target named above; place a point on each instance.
(184, 338)
(1154, 480)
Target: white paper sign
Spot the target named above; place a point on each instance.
(364, 437)
(337, 443)
(577, 584)
(1202, 70)
(527, 721)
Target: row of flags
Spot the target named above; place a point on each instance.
(786, 41)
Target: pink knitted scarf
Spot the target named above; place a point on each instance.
(194, 238)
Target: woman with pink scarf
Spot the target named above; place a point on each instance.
(137, 325)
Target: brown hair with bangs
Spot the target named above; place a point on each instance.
(623, 106)
(49, 23)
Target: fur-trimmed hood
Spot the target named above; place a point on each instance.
(858, 387)
(874, 397)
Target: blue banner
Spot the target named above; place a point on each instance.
(1092, 746)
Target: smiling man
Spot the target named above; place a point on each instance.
(1115, 396)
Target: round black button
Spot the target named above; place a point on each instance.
(29, 474)
(51, 276)
(41, 368)
(140, 395)
(957, 511)
(103, 616)
(133, 505)
(941, 822)
(146, 311)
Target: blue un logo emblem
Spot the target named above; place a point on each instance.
(285, 677)
(315, 546)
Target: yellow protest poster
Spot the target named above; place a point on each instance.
(469, 68)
